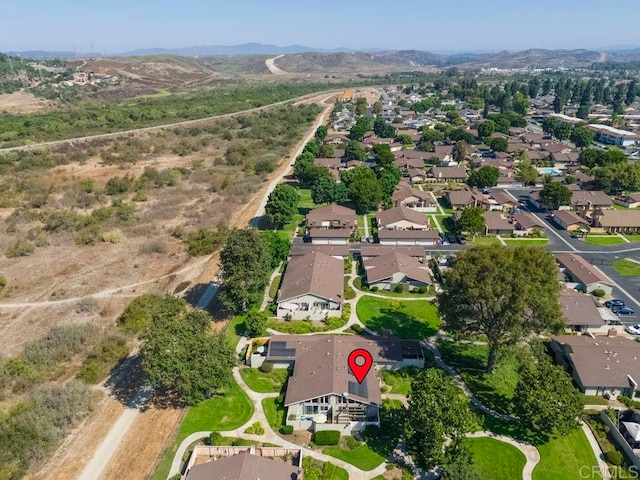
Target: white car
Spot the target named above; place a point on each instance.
(633, 329)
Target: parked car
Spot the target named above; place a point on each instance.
(462, 240)
(623, 310)
(614, 303)
(632, 329)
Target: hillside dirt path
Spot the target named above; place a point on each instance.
(271, 65)
(124, 442)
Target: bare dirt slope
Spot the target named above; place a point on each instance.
(23, 102)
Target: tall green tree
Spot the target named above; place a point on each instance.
(361, 106)
(527, 172)
(181, 356)
(582, 136)
(546, 399)
(306, 172)
(245, 267)
(282, 204)
(437, 410)
(384, 155)
(354, 151)
(472, 221)
(486, 176)
(328, 191)
(459, 151)
(503, 293)
(553, 195)
(278, 245)
(321, 133)
(382, 129)
(521, 103)
(377, 108)
(256, 322)
(499, 144)
(486, 128)
(364, 189)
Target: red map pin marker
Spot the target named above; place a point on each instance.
(360, 362)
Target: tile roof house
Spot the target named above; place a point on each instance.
(312, 286)
(600, 365)
(580, 311)
(588, 277)
(414, 199)
(498, 224)
(244, 466)
(322, 392)
(617, 221)
(331, 225)
(388, 271)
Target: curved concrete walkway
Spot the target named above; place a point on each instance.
(531, 453)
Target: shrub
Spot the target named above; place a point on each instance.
(598, 292)
(255, 429)
(105, 355)
(113, 236)
(21, 248)
(346, 312)
(614, 457)
(215, 439)
(327, 437)
(137, 316)
(154, 246)
(357, 329)
(86, 305)
(286, 429)
(266, 367)
(423, 289)
(374, 289)
(3, 281)
(256, 322)
(399, 288)
(205, 241)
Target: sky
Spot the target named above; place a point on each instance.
(115, 26)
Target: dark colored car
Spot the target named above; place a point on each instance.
(462, 240)
(614, 303)
(622, 310)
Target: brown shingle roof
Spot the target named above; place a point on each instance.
(404, 193)
(329, 232)
(409, 163)
(619, 219)
(321, 367)
(385, 266)
(569, 218)
(580, 309)
(503, 197)
(316, 274)
(338, 214)
(603, 361)
(377, 250)
(330, 163)
(581, 270)
(449, 172)
(594, 198)
(384, 234)
(244, 466)
(308, 248)
(495, 221)
(528, 220)
(398, 214)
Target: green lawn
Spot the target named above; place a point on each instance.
(261, 382)
(526, 241)
(496, 460)
(563, 457)
(304, 198)
(496, 389)
(361, 456)
(275, 412)
(604, 240)
(299, 327)
(483, 241)
(234, 330)
(632, 238)
(628, 268)
(222, 413)
(619, 207)
(273, 289)
(445, 207)
(595, 400)
(416, 319)
(358, 283)
(399, 381)
(317, 470)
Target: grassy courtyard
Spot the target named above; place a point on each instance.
(399, 381)
(626, 267)
(563, 457)
(603, 240)
(356, 453)
(496, 460)
(526, 241)
(261, 382)
(275, 412)
(409, 319)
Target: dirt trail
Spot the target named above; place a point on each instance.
(123, 442)
(271, 65)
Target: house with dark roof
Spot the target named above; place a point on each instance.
(600, 365)
(322, 392)
(312, 287)
(580, 311)
(587, 276)
(632, 200)
(388, 271)
(331, 225)
(461, 199)
(417, 175)
(448, 174)
(244, 463)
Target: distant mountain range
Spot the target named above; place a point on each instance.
(303, 58)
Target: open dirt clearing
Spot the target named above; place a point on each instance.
(23, 102)
(135, 457)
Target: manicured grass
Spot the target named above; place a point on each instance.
(225, 412)
(628, 268)
(526, 241)
(632, 238)
(496, 460)
(315, 469)
(304, 198)
(399, 381)
(273, 289)
(483, 241)
(261, 382)
(608, 240)
(302, 326)
(275, 412)
(595, 400)
(358, 283)
(496, 389)
(563, 457)
(221, 413)
(349, 293)
(619, 207)
(234, 330)
(361, 457)
(416, 319)
(445, 207)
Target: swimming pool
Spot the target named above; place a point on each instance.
(549, 171)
